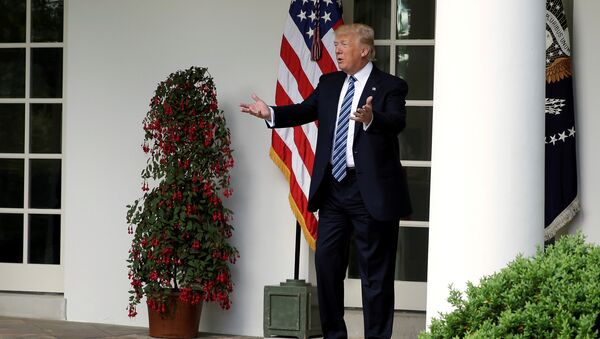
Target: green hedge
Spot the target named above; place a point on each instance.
(555, 294)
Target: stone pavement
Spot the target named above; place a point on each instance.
(12, 328)
(407, 325)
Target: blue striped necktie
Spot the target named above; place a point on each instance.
(341, 136)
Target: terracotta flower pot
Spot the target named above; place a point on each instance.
(181, 319)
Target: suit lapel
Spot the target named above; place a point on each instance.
(333, 102)
(369, 90)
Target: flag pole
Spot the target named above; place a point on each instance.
(297, 252)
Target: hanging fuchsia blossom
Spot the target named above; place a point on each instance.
(181, 226)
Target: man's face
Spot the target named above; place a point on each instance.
(351, 55)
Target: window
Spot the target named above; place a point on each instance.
(31, 120)
(404, 44)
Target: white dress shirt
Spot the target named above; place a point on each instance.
(361, 79)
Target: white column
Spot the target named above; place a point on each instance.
(487, 177)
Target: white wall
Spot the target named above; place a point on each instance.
(117, 52)
(585, 50)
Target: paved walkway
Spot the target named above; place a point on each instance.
(11, 328)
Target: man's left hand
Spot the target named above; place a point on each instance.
(364, 114)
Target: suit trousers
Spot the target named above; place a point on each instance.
(343, 213)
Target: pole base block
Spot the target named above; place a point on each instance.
(291, 310)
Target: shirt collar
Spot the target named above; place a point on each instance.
(363, 74)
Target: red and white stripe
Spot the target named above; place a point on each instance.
(293, 149)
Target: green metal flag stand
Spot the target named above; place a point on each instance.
(291, 309)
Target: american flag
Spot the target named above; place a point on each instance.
(307, 52)
(562, 200)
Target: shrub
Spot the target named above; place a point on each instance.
(555, 294)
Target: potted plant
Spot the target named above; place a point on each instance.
(180, 255)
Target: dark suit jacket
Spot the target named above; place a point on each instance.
(380, 176)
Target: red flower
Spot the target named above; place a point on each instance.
(168, 109)
(196, 245)
(222, 277)
(132, 312)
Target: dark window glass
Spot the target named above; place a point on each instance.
(411, 258)
(418, 186)
(382, 58)
(12, 128)
(46, 72)
(11, 238)
(12, 72)
(45, 128)
(415, 19)
(12, 20)
(44, 239)
(11, 183)
(44, 184)
(46, 20)
(415, 139)
(375, 13)
(415, 65)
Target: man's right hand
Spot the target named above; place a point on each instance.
(259, 108)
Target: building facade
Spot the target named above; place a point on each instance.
(92, 80)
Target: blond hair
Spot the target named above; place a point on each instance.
(365, 34)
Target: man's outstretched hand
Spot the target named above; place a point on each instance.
(364, 114)
(259, 108)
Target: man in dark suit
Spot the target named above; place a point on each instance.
(358, 184)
